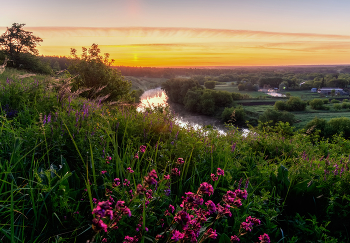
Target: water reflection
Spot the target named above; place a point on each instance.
(157, 97)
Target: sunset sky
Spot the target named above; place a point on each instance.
(191, 32)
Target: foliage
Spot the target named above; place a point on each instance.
(335, 101)
(272, 117)
(210, 84)
(93, 71)
(234, 115)
(292, 104)
(317, 104)
(177, 88)
(61, 157)
(337, 107)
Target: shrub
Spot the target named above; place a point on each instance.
(345, 105)
(293, 104)
(234, 115)
(316, 124)
(335, 101)
(340, 125)
(272, 117)
(317, 104)
(325, 101)
(241, 87)
(210, 84)
(237, 96)
(94, 71)
(337, 107)
(345, 100)
(280, 105)
(222, 98)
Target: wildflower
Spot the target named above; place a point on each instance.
(140, 189)
(130, 170)
(214, 177)
(116, 182)
(129, 239)
(252, 220)
(211, 206)
(264, 238)
(98, 224)
(175, 171)
(126, 182)
(235, 239)
(224, 210)
(167, 192)
(171, 208)
(180, 161)
(103, 209)
(211, 233)
(103, 172)
(151, 178)
(166, 177)
(247, 226)
(177, 236)
(142, 148)
(104, 240)
(158, 237)
(220, 172)
(206, 188)
(182, 217)
(136, 156)
(241, 194)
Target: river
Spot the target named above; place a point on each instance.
(157, 97)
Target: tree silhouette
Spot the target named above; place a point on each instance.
(16, 40)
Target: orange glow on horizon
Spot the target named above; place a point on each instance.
(175, 47)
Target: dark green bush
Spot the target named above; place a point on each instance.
(326, 101)
(233, 115)
(337, 107)
(335, 101)
(280, 105)
(210, 84)
(293, 104)
(345, 105)
(317, 104)
(272, 117)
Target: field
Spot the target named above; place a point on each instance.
(302, 117)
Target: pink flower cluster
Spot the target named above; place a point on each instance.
(105, 212)
(219, 172)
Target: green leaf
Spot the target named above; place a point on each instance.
(224, 239)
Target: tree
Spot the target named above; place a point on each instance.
(16, 41)
(93, 71)
(210, 84)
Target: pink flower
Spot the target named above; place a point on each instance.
(220, 172)
(175, 172)
(206, 188)
(241, 194)
(142, 148)
(104, 240)
(109, 158)
(151, 178)
(171, 208)
(136, 156)
(214, 177)
(264, 238)
(235, 239)
(177, 236)
(180, 161)
(224, 210)
(167, 177)
(211, 233)
(211, 206)
(247, 226)
(130, 170)
(103, 172)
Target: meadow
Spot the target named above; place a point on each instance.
(81, 170)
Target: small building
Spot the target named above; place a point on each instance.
(314, 90)
(328, 91)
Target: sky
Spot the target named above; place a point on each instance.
(169, 33)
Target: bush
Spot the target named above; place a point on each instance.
(94, 71)
(345, 105)
(339, 125)
(272, 117)
(337, 107)
(335, 101)
(293, 104)
(317, 104)
(316, 124)
(345, 100)
(234, 115)
(237, 96)
(280, 105)
(325, 101)
(222, 98)
(210, 84)
(241, 87)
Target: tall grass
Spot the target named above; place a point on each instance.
(54, 161)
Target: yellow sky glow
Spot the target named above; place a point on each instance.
(166, 47)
